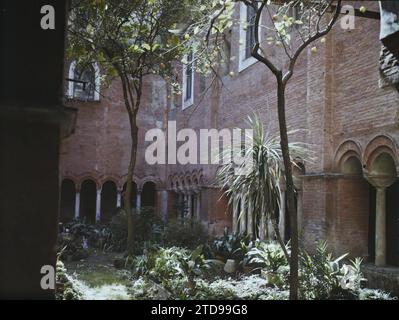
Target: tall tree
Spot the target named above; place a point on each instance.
(130, 39)
(290, 27)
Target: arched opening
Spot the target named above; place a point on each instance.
(88, 197)
(133, 197)
(68, 198)
(352, 166)
(149, 195)
(109, 194)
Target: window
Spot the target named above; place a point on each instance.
(84, 83)
(188, 81)
(250, 32)
(247, 36)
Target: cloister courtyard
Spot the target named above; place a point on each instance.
(199, 150)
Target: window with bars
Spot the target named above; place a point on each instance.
(188, 81)
(85, 86)
(250, 31)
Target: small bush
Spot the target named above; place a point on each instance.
(65, 288)
(231, 246)
(268, 256)
(323, 277)
(147, 229)
(373, 294)
(185, 232)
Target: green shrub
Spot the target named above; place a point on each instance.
(148, 228)
(65, 288)
(185, 232)
(267, 255)
(323, 277)
(168, 265)
(373, 294)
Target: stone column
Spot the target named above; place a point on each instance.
(381, 183)
(119, 199)
(184, 204)
(138, 200)
(189, 204)
(164, 205)
(281, 223)
(198, 205)
(380, 228)
(77, 204)
(98, 206)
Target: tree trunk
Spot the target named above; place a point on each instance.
(294, 261)
(129, 184)
(279, 238)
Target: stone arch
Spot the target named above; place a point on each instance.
(88, 195)
(113, 179)
(92, 177)
(347, 150)
(109, 194)
(149, 194)
(376, 147)
(383, 164)
(67, 202)
(158, 183)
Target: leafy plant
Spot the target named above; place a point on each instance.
(373, 294)
(257, 188)
(185, 232)
(149, 228)
(167, 265)
(231, 246)
(323, 277)
(267, 255)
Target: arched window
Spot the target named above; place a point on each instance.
(84, 82)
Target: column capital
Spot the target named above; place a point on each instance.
(380, 181)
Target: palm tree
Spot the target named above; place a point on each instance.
(258, 190)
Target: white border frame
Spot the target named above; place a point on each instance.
(190, 102)
(71, 75)
(243, 62)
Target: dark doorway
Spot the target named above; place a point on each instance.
(109, 196)
(149, 196)
(134, 195)
(68, 198)
(393, 225)
(88, 197)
